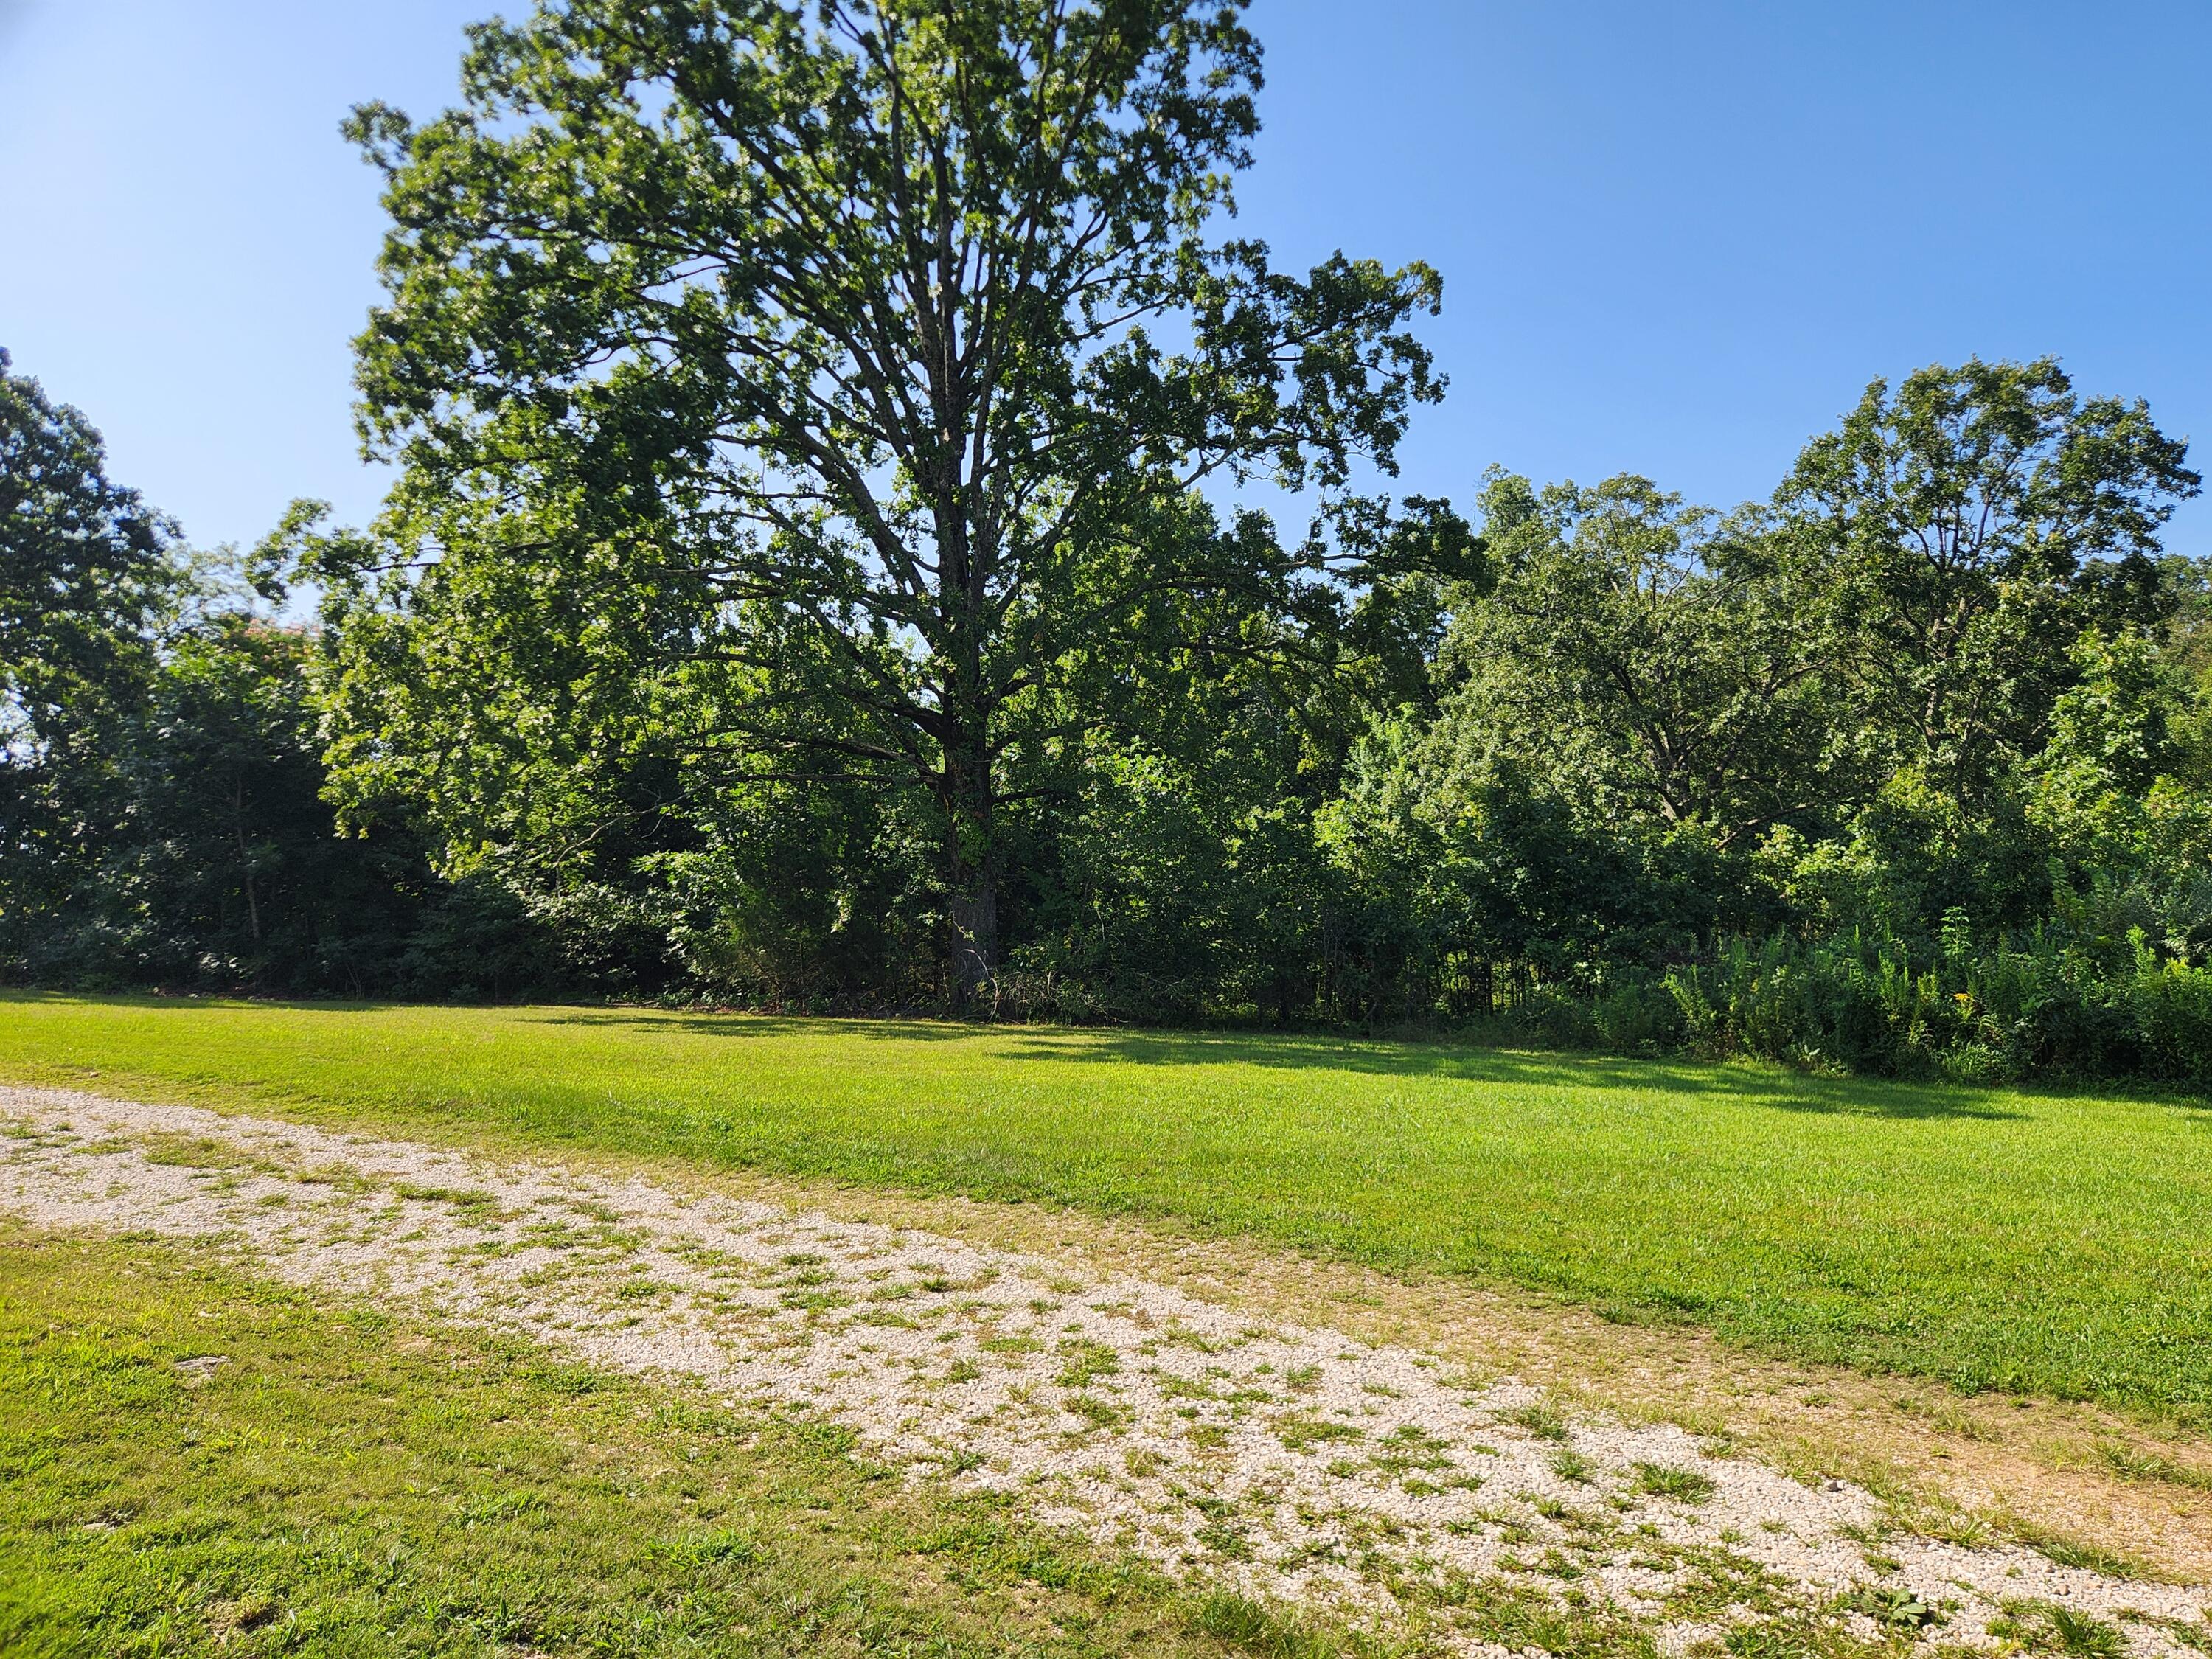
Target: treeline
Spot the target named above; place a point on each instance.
(1907, 770)
(820, 586)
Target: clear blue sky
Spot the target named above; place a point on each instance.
(1676, 239)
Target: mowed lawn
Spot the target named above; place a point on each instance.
(345, 1482)
(2039, 1241)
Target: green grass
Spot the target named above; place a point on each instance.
(2034, 1242)
(1660, 1480)
(348, 1484)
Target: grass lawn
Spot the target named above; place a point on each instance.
(348, 1484)
(2033, 1241)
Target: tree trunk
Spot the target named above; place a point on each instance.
(972, 872)
(975, 933)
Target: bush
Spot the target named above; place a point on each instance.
(2172, 1006)
(1639, 1017)
(1556, 1018)
(2049, 1003)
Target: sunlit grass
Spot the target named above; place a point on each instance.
(2038, 1241)
(197, 1462)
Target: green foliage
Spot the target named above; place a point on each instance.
(1902, 774)
(1633, 656)
(217, 863)
(2048, 1627)
(2053, 1001)
(810, 392)
(1979, 519)
(1664, 1480)
(86, 567)
(202, 853)
(162, 780)
(88, 573)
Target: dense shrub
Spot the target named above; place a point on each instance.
(2172, 1009)
(2008, 1008)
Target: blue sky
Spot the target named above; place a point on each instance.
(1676, 239)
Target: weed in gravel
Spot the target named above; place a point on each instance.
(1184, 1388)
(1410, 1448)
(2073, 1552)
(1802, 1635)
(1714, 1581)
(1542, 1421)
(1892, 1608)
(1084, 1362)
(1572, 1466)
(194, 1152)
(1099, 1413)
(814, 1301)
(1225, 1540)
(1950, 1526)
(1299, 1433)
(2047, 1627)
(1665, 1480)
(1526, 1618)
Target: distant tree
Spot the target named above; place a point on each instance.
(1977, 521)
(209, 856)
(861, 353)
(87, 572)
(85, 565)
(1627, 656)
(162, 818)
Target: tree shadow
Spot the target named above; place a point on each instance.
(1293, 1051)
(1453, 1063)
(738, 1025)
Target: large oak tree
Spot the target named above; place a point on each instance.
(871, 352)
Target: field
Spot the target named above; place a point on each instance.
(2040, 1243)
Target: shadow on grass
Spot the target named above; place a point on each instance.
(1439, 1062)
(1441, 1059)
(889, 1028)
(1520, 1067)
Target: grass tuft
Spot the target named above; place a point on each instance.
(1542, 1421)
(2132, 1463)
(2047, 1627)
(1664, 1480)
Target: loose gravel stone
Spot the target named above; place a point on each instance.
(1288, 1462)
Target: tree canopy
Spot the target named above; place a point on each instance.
(861, 361)
(84, 564)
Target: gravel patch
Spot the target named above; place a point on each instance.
(1289, 1462)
